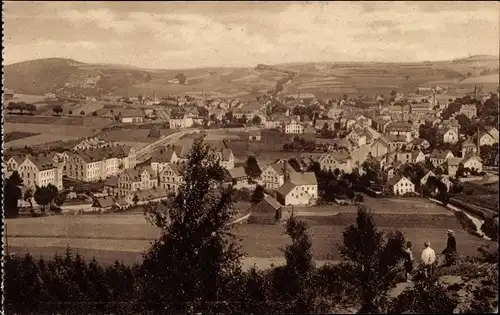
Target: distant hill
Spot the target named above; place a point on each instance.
(324, 79)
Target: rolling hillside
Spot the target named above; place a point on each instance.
(323, 79)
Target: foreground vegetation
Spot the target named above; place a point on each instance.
(195, 267)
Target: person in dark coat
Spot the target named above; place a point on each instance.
(450, 252)
(408, 261)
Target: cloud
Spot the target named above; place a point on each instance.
(180, 34)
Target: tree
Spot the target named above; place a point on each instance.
(375, 257)
(135, 200)
(70, 112)
(393, 93)
(12, 106)
(94, 114)
(258, 194)
(425, 297)
(181, 77)
(298, 273)
(256, 120)
(82, 113)
(60, 199)
(57, 109)
(30, 108)
(196, 255)
(12, 193)
(45, 195)
(252, 167)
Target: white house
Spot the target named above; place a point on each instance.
(294, 127)
(301, 189)
(180, 121)
(449, 135)
(273, 175)
(473, 161)
(401, 185)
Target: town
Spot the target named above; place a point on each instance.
(393, 143)
(250, 157)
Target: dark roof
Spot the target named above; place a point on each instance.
(267, 205)
(104, 202)
(286, 188)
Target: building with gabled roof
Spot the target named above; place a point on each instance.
(273, 175)
(299, 189)
(329, 161)
(136, 179)
(438, 157)
(400, 185)
(268, 209)
(39, 171)
(171, 177)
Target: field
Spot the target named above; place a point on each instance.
(49, 129)
(16, 135)
(326, 79)
(125, 236)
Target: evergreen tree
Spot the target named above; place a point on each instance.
(375, 257)
(12, 193)
(196, 255)
(258, 194)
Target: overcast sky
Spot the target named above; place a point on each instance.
(204, 34)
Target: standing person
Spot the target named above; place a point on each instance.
(450, 252)
(428, 258)
(408, 261)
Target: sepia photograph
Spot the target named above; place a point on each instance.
(250, 157)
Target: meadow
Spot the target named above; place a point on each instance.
(125, 236)
(16, 135)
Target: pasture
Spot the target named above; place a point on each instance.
(16, 135)
(125, 236)
(48, 129)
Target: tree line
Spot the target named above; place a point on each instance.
(195, 267)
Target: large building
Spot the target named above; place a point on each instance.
(98, 164)
(37, 170)
(299, 189)
(132, 180)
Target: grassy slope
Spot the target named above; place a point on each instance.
(41, 76)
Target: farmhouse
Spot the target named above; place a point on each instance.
(133, 180)
(171, 177)
(401, 185)
(236, 176)
(300, 189)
